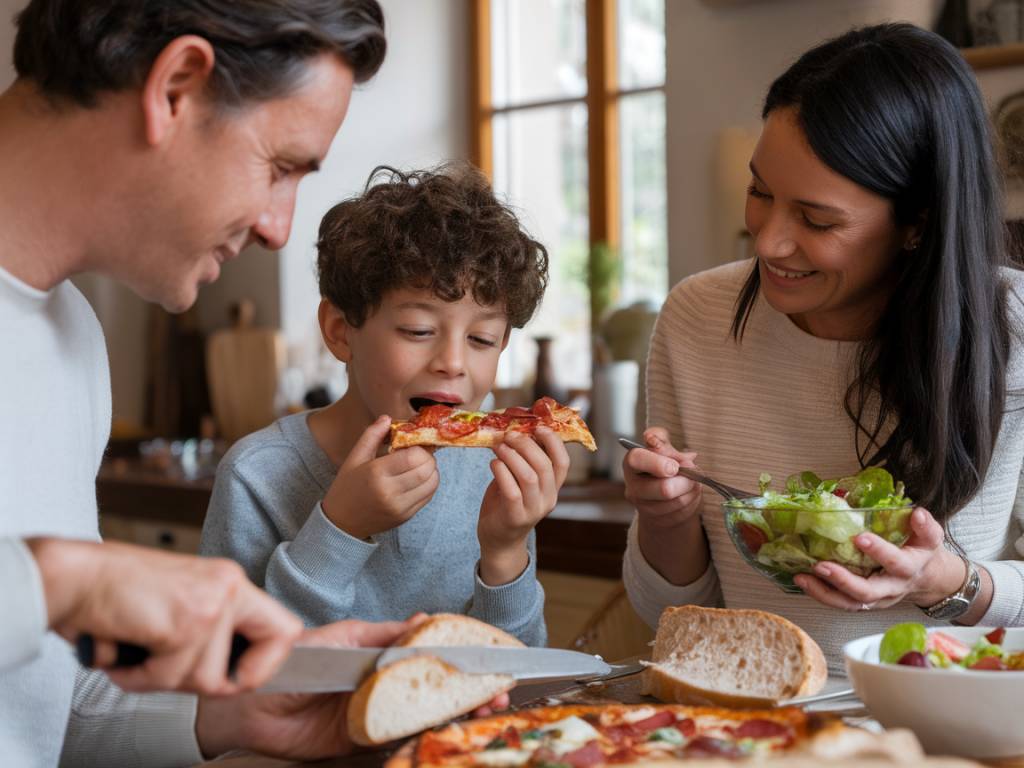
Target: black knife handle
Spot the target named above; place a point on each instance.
(131, 655)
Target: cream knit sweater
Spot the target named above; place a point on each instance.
(774, 404)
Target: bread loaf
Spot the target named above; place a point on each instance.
(423, 691)
(732, 658)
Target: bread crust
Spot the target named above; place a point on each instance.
(466, 626)
(666, 686)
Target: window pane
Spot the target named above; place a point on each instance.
(644, 236)
(539, 50)
(641, 27)
(540, 168)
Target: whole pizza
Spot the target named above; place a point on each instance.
(579, 736)
(444, 426)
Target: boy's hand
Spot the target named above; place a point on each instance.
(528, 474)
(373, 494)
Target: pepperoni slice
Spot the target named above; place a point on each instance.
(708, 746)
(584, 757)
(498, 421)
(432, 415)
(516, 412)
(455, 428)
(660, 720)
(511, 737)
(761, 729)
(622, 734)
(687, 727)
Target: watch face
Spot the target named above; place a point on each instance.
(956, 607)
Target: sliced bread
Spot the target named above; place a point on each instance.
(422, 691)
(455, 629)
(732, 658)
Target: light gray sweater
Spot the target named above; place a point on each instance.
(265, 513)
(775, 404)
(55, 417)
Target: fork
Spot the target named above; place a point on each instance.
(723, 490)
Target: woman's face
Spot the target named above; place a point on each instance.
(826, 247)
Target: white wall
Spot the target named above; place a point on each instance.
(721, 58)
(413, 113)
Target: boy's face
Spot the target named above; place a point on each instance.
(417, 349)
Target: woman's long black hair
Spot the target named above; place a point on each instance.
(895, 109)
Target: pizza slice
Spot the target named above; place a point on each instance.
(444, 426)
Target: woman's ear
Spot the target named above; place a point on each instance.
(176, 81)
(334, 329)
(915, 233)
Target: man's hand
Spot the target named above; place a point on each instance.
(373, 494)
(297, 726)
(183, 609)
(528, 474)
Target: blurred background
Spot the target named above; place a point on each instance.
(620, 130)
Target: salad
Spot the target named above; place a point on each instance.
(912, 645)
(816, 520)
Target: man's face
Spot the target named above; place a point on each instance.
(230, 179)
(417, 349)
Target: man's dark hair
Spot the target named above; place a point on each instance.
(74, 50)
(897, 110)
(439, 230)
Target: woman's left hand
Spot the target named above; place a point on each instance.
(922, 571)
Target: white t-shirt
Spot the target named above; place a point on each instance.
(54, 425)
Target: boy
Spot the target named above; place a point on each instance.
(422, 279)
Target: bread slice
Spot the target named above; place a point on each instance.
(455, 629)
(423, 691)
(732, 658)
(414, 694)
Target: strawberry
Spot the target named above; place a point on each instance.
(949, 645)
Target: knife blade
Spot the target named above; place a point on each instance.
(322, 669)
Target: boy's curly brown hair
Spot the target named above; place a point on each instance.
(440, 230)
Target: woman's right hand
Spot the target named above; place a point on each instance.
(663, 499)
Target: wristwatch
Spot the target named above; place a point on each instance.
(957, 604)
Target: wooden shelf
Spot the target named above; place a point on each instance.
(992, 56)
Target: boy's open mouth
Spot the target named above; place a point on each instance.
(422, 402)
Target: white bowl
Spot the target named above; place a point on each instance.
(966, 713)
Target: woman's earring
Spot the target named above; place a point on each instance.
(912, 244)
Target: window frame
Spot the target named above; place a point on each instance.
(602, 101)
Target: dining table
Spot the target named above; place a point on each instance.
(624, 689)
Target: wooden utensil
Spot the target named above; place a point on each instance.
(244, 365)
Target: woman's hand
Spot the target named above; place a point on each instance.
(669, 532)
(662, 498)
(922, 571)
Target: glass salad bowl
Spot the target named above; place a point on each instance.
(783, 534)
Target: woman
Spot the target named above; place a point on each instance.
(877, 325)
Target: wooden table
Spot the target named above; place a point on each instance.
(585, 533)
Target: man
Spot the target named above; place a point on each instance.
(150, 142)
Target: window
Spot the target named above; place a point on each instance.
(569, 122)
